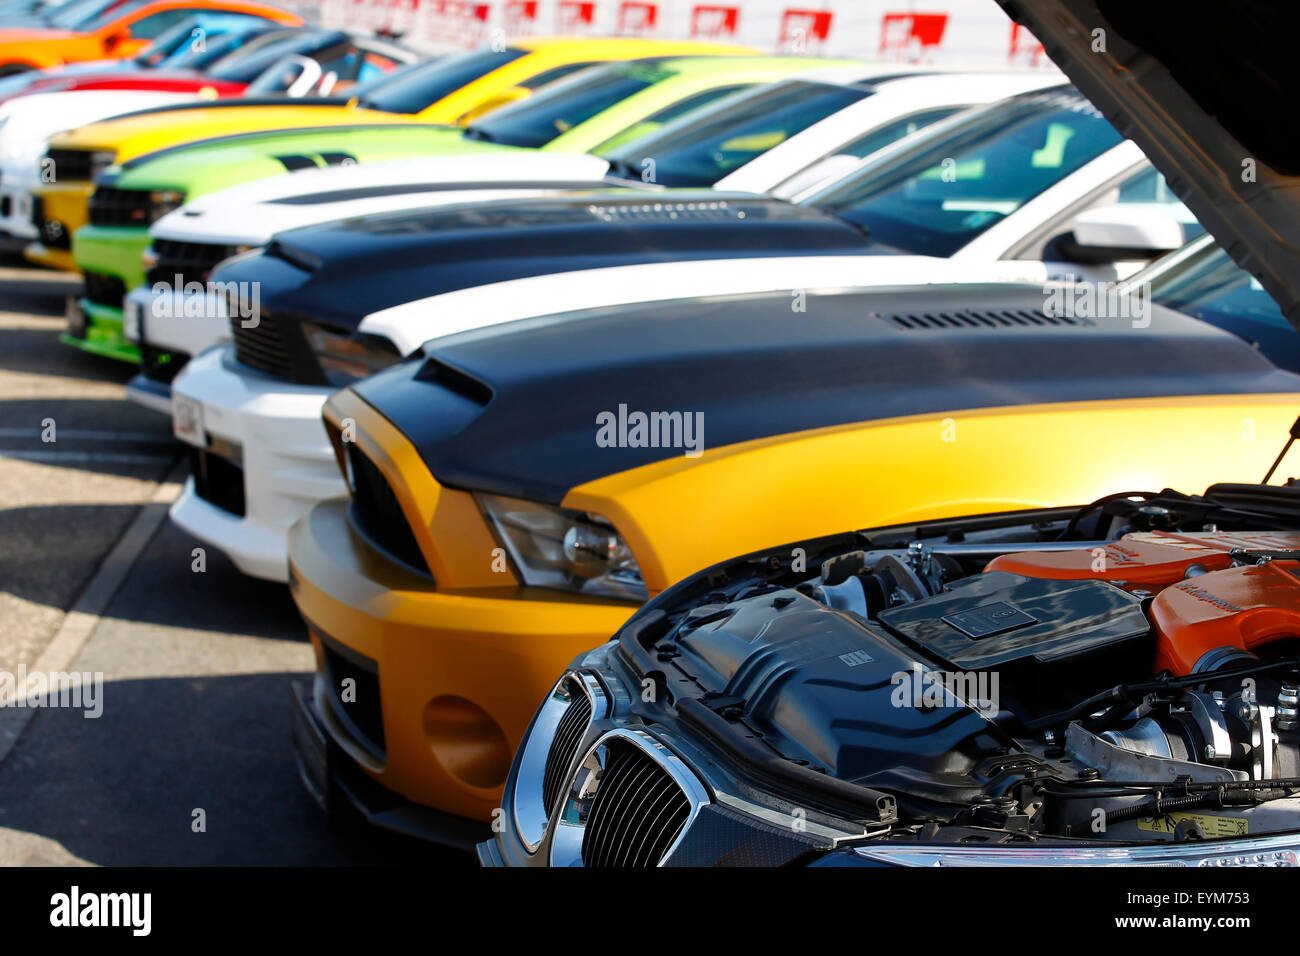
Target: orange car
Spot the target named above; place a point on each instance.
(111, 29)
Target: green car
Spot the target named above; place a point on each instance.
(596, 110)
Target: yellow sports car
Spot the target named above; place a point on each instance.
(448, 90)
(517, 492)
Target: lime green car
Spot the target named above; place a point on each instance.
(596, 110)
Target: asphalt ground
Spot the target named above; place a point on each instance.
(190, 761)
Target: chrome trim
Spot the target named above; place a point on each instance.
(1258, 851)
(571, 822)
(531, 815)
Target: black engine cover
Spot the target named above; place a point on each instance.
(1051, 642)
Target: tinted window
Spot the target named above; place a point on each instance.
(553, 74)
(945, 193)
(146, 28)
(882, 136)
(414, 90)
(80, 11)
(545, 115)
(1209, 286)
(737, 130)
(247, 64)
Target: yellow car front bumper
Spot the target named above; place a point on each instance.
(443, 684)
(61, 209)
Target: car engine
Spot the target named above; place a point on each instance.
(1130, 674)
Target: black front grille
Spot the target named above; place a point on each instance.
(69, 165)
(637, 813)
(105, 289)
(378, 515)
(218, 481)
(262, 346)
(159, 366)
(568, 735)
(354, 693)
(191, 261)
(110, 206)
(52, 232)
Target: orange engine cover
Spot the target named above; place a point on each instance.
(1150, 560)
(1240, 607)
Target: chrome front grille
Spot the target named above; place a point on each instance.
(568, 736)
(637, 814)
(558, 735)
(629, 802)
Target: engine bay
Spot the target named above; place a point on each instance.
(1124, 672)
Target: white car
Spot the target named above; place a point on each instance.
(261, 455)
(815, 134)
(26, 122)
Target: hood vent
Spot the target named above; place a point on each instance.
(455, 381)
(663, 211)
(982, 319)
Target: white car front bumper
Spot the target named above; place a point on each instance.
(175, 323)
(271, 432)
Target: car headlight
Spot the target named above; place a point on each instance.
(163, 201)
(568, 550)
(344, 358)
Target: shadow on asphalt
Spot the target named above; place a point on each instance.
(38, 351)
(122, 789)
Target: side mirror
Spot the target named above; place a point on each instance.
(1124, 231)
(116, 39)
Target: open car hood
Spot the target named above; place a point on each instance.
(1206, 90)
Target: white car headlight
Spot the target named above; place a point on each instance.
(568, 550)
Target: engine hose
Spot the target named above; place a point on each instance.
(1158, 807)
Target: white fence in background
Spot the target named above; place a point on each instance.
(943, 32)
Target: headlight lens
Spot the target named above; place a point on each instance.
(163, 201)
(345, 359)
(568, 550)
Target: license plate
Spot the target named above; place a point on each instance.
(132, 324)
(76, 318)
(187, 420)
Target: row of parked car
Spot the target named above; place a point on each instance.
(501, 353)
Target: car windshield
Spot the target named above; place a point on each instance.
(251, 61)
(564, 104)
(216, 48)
(954, 186)
(79, 12)
(733, 131)
(414, 90)
(1209, 286)
(112, 13)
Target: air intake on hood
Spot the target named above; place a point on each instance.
(718, 211)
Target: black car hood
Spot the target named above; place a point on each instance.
(355, 267)
(513, 408)
(1206, 89)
